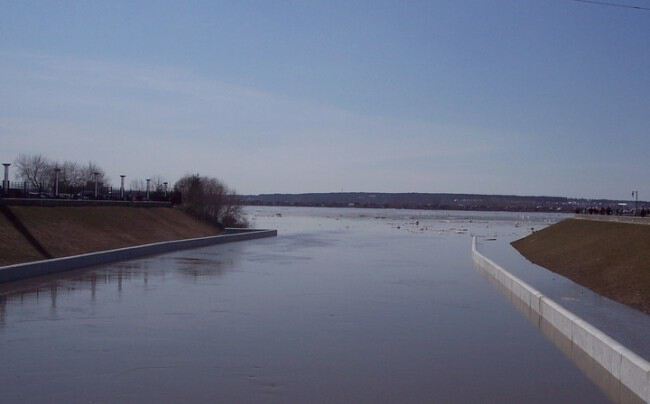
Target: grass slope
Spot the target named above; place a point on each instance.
(14, 247)
(612, 259)
(65, 231)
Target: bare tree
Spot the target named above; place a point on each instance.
(138, 184)
(71, 174)
(40, 172)
(88, 173)
(34, 169)
(209, 199)
(158, 183)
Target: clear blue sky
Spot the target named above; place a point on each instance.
(537, 97)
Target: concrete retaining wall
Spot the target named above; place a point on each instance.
(626, 366)
(37, 268)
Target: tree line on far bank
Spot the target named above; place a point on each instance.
(206, 198)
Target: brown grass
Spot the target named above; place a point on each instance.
(14, 248)
(65, 231)
(612, 259)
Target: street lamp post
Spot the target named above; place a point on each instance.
(5, 182)
(57, 170)
(122, 186)
(635, 195)
(96, 174)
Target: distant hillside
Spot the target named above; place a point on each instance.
(436, 201)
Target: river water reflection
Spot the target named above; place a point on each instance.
(345, 305)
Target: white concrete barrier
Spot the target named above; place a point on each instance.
(37, 268)
(626, 366)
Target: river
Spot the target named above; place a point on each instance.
(345, 305)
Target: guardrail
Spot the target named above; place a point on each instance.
(626, 366)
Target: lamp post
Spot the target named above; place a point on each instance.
(5, 182)
(635, 195)
(96, 174)
(122, 186)
(148, 181)
(57, 170)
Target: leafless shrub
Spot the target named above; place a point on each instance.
(209, 199)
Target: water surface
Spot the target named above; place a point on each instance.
(345, 305)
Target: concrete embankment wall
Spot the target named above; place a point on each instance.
(38, 268)
(626, 366)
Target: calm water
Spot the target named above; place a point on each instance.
(345, 305)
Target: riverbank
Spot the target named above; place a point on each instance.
(612, 259)
(39, 232)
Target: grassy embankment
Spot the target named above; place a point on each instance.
(612, 259)
(64, 231)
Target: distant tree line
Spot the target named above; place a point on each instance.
(437, 201)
